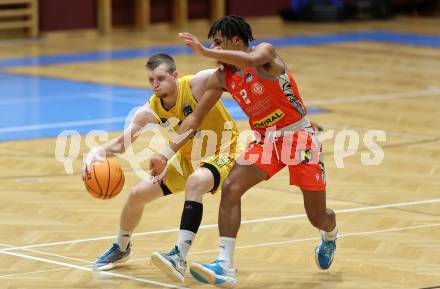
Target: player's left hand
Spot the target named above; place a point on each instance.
(96, 154)
(158, 167)
(192, 42)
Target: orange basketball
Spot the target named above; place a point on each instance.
(105, 179)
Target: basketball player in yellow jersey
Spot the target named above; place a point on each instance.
(173, 98)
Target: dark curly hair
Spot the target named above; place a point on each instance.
(230, 26)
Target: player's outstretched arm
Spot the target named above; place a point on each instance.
(141, 118)
(117, 145)
(262, 54)
(214, 90)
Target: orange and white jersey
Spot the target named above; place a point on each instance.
(268, 102)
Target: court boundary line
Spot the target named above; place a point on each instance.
(83, 268)
(64, 124)
(209, 226)
(50, 254)
(12, 276)
(352, 234)
(78, 96)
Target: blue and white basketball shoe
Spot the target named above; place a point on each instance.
(111, 258)
(171, 263)
(324, 253)
(215, 273)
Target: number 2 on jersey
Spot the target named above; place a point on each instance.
(243, 94)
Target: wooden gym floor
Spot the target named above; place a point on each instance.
(359, 76)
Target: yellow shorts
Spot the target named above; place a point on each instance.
(180, 168)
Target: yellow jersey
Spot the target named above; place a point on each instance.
(217, 133)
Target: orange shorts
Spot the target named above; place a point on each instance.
(300, 151)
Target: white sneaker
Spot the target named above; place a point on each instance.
(171, 263)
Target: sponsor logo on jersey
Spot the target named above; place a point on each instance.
(260, 105)
(257, 88)
(270, 119)
(187, 109)
(248, 77)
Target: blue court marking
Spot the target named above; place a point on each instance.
(35, 107)
(414, 39)
(380, 36)
(32, 107)
(377, 36)
(91, 56)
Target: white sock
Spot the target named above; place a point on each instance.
(184, 242)
(329, 236)
(226, 250)
(123, 239)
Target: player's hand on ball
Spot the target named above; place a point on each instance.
(158, 166)
(96, 154)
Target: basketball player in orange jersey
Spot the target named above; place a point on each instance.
(173, 98)
(261, 84)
